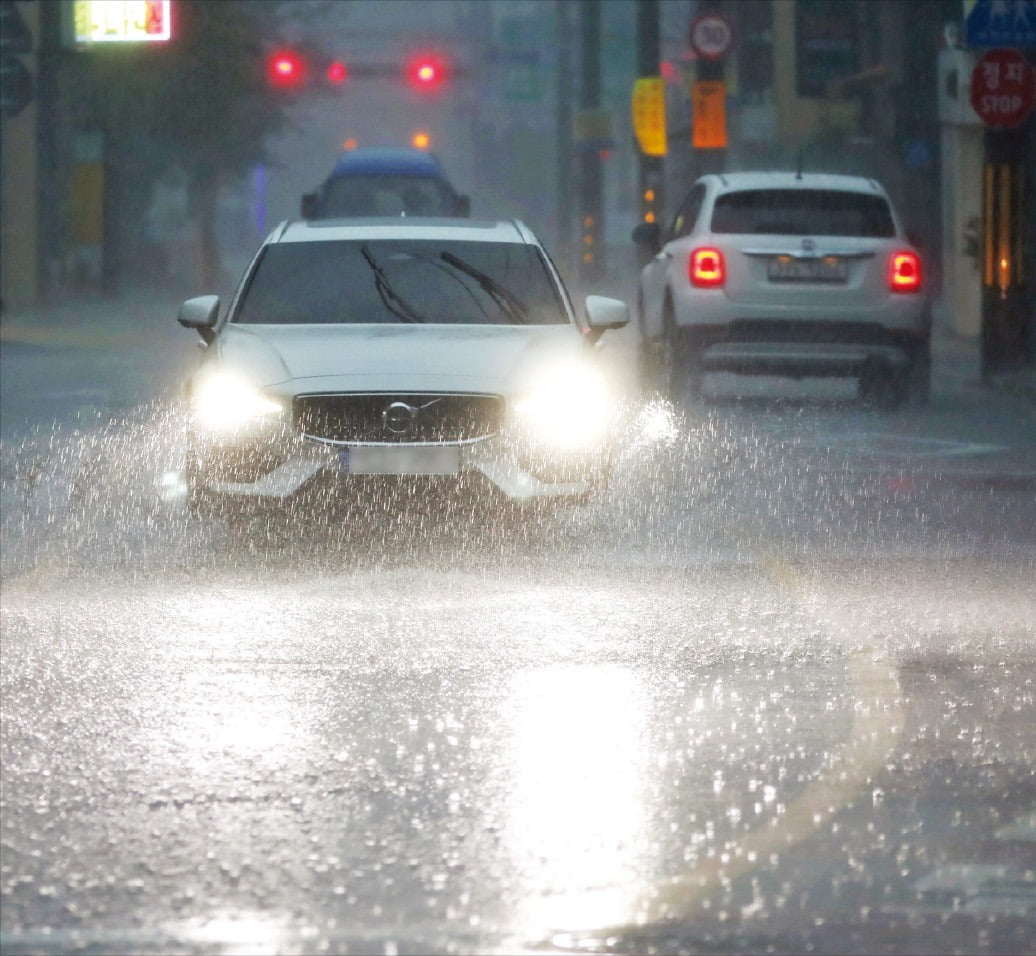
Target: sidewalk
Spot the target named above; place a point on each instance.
(130, 320)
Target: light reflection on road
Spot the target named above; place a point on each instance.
(577, 816)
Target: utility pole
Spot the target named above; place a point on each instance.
(591, 186)
(51, 236)
(564, 131)
(710, 38)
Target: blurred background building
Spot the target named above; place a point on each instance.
(534, 97)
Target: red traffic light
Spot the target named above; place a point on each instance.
(286, 69)
(426, 72)
(336, 72)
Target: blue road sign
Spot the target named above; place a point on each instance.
(1009, 23)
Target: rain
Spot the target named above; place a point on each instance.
(768, 688)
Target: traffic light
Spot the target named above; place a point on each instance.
(336, 72)
(426, 72)
(286, 70)
(16, 84)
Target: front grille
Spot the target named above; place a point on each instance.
(398, 417)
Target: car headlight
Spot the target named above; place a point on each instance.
(567, 408)
(224, 404)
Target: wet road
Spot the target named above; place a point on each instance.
(773, 689)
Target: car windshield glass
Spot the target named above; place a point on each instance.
(394, 281)
(801, 212)
(386, 196)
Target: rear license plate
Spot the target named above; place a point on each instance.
(405, 460)
(792, 269)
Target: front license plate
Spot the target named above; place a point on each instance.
(792, 269)
(405, 460)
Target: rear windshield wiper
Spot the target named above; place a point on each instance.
(513, 307)
(394, 302)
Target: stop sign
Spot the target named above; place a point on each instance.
(1003, 88)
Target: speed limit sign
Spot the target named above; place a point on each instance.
(711, 36)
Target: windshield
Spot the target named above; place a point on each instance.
(386, 196)
(800, 212)
(392, 281)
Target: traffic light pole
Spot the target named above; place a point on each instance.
(651, 178)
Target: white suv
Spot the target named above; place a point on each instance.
(783, 273)
(421, 355)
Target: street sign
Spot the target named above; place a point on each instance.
(711, 36)
(709, 114)
(122, 21)
(649, 115)
(1003, 88)
(996, 23)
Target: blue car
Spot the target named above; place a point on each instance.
(385, 182)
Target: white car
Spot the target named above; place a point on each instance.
(784, 273)
(441, 351)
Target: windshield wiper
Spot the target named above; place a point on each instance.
(394, 302)
(512, 306)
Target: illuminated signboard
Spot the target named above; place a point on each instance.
(122, 21)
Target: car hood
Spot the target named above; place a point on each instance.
(297, 359)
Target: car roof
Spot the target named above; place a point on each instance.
(788, 179)
(403, 227)
(389, 161)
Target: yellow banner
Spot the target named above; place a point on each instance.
(649, 115)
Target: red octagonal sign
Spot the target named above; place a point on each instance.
(1003, 88)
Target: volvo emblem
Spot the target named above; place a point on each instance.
(399, 418)
(808, 245)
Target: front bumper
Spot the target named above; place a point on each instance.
(289, 467)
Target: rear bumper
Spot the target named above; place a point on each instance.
(801, 348)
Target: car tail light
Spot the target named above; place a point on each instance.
(707, 270)
(904, 272)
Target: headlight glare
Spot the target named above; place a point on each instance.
(568, 408)
(225, 404)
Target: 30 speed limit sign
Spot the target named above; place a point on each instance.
(711, 36)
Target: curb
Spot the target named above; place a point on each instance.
(128, 321)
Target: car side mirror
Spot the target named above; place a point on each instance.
(463, 206)
(200, 314)
(604, 313)
(649, 235)
(309, 206)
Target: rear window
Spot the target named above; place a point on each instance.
(802, 212)
(386, 196)
(400, 281)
